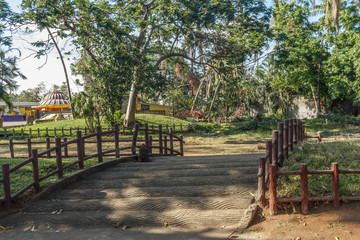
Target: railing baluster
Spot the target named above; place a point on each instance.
(272, 190)
(335, 184)
(6, 184)
(99, 143)
(304, 189)
(35, 169)
(59, 157)
(160, 140)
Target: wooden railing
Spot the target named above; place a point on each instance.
(289, 133)
(66, 132)
(165, 147)
(304, 197)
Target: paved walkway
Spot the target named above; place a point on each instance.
(202, 197)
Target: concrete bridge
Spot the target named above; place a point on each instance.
(202, 197)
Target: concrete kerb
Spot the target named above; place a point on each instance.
(73, 177)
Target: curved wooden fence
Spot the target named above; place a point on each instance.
(163, 145)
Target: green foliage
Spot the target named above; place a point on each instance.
(8, 61)
(320, 157)
(87, 107)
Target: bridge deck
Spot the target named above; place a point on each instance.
(187, 194)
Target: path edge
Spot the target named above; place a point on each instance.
(73, 177)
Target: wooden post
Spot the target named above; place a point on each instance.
(38, 132)
(48, 146)
(281, 145)
(165, 145)
(35, 169)
(261, 182)
(335, 185)
(268, 157)
(134, 139)
(304, 189)
(146, 135)
(80, 150)
(58, 157)
(291, 133)
(174, 128)
(319, 136)
(275, 147)
(272, 190)
(30, 133)
(171, 141)
(181, 145)
(6, 184)
(99, 143)
(29, 147)
(66, 151)
(70, 131)
(13, 133)
(47, 132)
(286, 137)
(150, 144)
(295, 131)
(22, 133)
(116, 140)
(160, 140)
(54, 131)
(181, 129)
(11, 146)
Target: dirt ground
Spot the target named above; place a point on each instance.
(324, 222)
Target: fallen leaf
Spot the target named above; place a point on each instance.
(165, 223)
(336, 238)
(33, 229)
(60, 211)
(2, 229)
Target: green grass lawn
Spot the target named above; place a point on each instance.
(341, 149)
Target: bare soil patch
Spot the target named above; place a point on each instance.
(323, 223)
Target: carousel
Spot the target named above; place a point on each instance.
(53, 102)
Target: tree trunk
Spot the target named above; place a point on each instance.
(129, 120)
(318, 91)
(62, 61)
(198, 90)
(315, 100)
(212, 102)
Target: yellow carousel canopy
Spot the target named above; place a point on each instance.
(54, 100)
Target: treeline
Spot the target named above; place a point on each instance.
(208, 59)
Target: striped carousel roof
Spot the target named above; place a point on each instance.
(54, 99)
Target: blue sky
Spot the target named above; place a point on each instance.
(51, 73)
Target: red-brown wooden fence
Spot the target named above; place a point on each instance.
(60, 152)
(294, 132)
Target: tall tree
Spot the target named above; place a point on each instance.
(127, 41)
(8, 58)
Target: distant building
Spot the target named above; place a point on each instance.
(19, 109)
(148, 108)
(53, 102)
